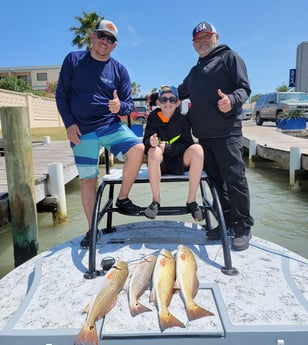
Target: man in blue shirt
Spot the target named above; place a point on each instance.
(93, 89)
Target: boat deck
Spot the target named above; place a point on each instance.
(42, 300)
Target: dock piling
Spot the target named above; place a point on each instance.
(252, 152)
(295, 164)
(20, 179)
(56, 180)
(46, 140)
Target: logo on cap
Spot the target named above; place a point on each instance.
(201, 27)
(168, 89)
(107, 25)
(110, 27)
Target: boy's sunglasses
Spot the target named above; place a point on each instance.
(102, 36)
(164, 99)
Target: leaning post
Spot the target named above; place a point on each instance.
(20, 179)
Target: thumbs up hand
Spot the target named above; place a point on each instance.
(154, 142)
(115, 104)
(224, 104)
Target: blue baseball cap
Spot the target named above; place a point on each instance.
(203, 27)
(168, 89)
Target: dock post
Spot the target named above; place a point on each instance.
(46, 140)
(252, 152)
(295, 164)
(20, 179)
(57, 188)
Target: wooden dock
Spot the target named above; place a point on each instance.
(270, 143)
(43, 155)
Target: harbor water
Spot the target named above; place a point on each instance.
(281, 214)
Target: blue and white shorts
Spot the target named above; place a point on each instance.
(117, 139)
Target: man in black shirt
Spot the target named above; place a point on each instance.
(217, 87)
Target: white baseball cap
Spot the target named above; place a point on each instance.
(108, 26)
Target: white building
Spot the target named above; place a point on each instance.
(38, 76)
(301, 83)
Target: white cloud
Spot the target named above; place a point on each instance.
(133, 39)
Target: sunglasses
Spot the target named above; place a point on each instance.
(164, 99)
(102, 36)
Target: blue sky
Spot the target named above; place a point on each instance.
(155, 36)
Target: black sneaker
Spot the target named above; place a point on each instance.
(85, 242)
(214, 234)
(152, 210)
(195, 211)
(127, 207)
(241, 241)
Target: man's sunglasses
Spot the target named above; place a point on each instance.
(164, 99)
(102, 36)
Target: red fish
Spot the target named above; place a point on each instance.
(188, 283)
(139, 282)
(104, 301)
(163, 287)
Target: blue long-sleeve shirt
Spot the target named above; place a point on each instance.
(85, 87)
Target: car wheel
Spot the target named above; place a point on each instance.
(141, 120)
(259, 121)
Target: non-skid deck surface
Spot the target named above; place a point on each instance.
(46, 295)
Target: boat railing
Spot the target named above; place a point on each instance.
(211, 206)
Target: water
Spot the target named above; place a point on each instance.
(281, 215)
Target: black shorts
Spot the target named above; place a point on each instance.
(174, 166)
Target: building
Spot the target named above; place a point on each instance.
(38, 76)
(301, 83)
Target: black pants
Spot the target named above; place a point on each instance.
(225, 167)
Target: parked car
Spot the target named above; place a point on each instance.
(139, 114)
(246, 114)
(271, 106)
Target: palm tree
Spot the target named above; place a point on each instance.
(135, 88)
(255, 97)
(88, 23)
(283, 88)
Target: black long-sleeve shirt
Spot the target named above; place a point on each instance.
(221, 69)
(176, 133)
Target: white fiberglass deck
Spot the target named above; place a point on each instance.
(42, 300)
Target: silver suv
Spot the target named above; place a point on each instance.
(269, 107)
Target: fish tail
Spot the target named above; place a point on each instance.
(167, 320)
(194, 312)
(87, 335)
(138, 308)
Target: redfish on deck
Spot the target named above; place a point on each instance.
(139, 281)
(163, 287)
(103, 302)
(188, 283)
